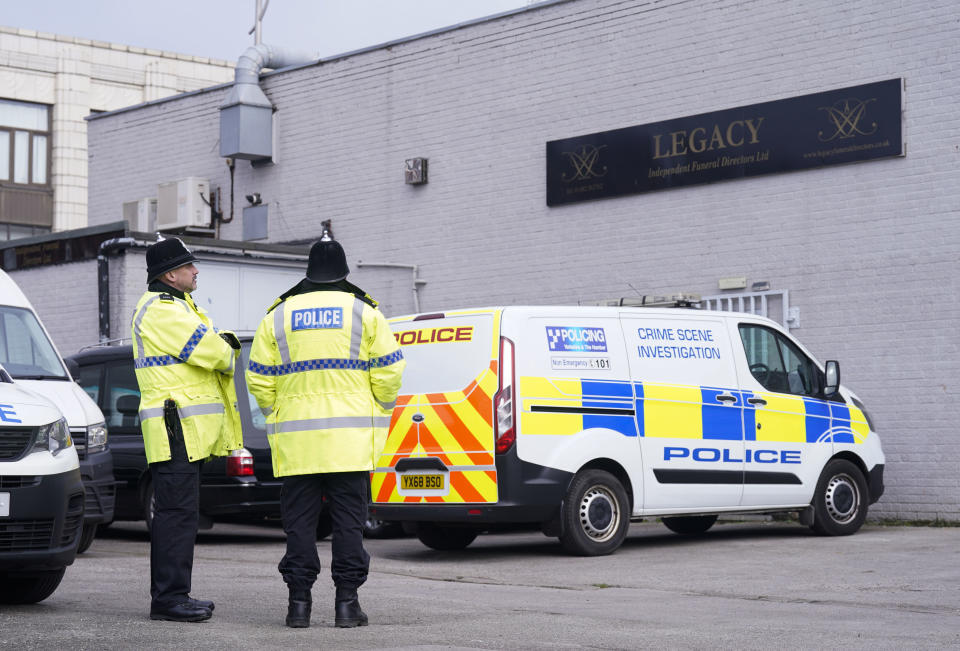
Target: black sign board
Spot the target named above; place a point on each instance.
(839, 126)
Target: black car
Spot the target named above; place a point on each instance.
(232, 489)
(239, 488)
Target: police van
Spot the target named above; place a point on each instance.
(41, 495)
(32, 360)
(581, 419)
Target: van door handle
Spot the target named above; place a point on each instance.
(726, 397)
(756, 401)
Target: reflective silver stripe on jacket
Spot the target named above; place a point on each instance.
(356, 328)
(201, 410)
(153, 412)
(138, 350)
(338, 422)
(280, 333)
(387, 406)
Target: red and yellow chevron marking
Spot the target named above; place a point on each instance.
(457, 428)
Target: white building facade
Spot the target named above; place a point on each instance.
(860, 259)
(48, 85)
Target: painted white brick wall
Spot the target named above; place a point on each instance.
(868, 251)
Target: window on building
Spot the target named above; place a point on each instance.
(26, 190)
(24, 142)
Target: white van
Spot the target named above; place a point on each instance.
(581, 419)
(30, 357)
(41, 495)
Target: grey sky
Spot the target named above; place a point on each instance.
(218, 28)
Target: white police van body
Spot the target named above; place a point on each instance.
(29, 356)
(580, 419)
(41, 495)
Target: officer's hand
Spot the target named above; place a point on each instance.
(231, 339)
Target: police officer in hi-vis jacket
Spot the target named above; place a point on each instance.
(188, 412)
(325, 369)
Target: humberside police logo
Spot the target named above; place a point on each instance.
(586, 340)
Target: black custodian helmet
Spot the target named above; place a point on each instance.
(166, 255)
(328, 262)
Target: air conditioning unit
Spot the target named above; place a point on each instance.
(182, 204)
(141, 215)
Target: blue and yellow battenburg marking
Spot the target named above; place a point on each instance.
(560, 406)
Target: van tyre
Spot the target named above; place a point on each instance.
(29, 588)
(690, 525)
(445, 538)
(86, 537)
(596, 514)
(840, 501)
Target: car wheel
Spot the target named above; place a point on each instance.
(840, 500)
(445, 538)
(86, 537)
(596, 514)
(690, 525)
(148, 503)
(29, 588)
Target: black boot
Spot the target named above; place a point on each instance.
(298, 610)
(348, 612)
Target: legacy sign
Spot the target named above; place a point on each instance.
(839, 126)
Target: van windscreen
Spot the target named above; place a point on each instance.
(444, 354)
(25, 350)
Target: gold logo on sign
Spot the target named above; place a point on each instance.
(846, 116)
(584, 162)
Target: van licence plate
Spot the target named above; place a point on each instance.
(421, 482)
(4, 505)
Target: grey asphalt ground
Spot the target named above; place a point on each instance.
(746, 585)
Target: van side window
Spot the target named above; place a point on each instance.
(776, 362)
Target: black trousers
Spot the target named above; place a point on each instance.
(176, 489)
(301, 502)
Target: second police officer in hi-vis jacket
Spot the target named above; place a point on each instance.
(326, 370)
(188, 412)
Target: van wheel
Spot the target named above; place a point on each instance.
(445, 538)
(690, 525)
(840, 501)
(86, 537)
(29, 588)
(596, 514)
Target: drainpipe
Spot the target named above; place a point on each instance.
(103, 280)
(417, 282)
(246, 115)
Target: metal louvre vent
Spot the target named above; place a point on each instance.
(79, 438)
(18, 481)
(71, 524)
(15, 441)
(25, 535)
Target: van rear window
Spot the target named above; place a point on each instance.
(444, 354)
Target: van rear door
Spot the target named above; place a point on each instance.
(440, 447)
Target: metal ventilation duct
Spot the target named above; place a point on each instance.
(246, 115)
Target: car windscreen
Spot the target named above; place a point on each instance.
(25, 350)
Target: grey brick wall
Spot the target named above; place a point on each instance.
(65, 298)
(868, 251)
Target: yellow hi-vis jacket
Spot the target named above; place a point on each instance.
(179, 355)
(325, 369)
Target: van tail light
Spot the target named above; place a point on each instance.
(240, 463)
(504, 403)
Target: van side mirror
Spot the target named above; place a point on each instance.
(73, 368)
(832, 382)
